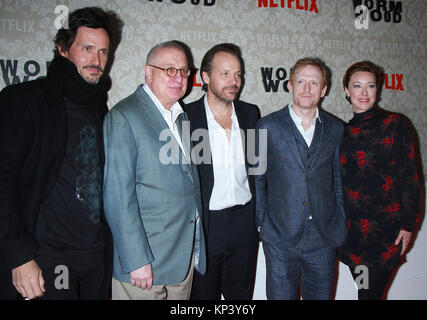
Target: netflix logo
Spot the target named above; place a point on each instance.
(393, 82)
(306, 5)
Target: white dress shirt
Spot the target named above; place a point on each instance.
(170, 116)
(231, 186)
(309, 133)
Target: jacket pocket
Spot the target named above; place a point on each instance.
(153, 225)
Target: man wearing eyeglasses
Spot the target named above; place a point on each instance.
(152, 196)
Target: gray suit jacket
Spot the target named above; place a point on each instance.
(149, 205)
(287, 193)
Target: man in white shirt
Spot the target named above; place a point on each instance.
(227, 189)
(153, 206)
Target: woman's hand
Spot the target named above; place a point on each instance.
(405, 237)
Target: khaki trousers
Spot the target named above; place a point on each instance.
(180, 291)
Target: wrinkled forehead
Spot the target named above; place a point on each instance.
(170, 56)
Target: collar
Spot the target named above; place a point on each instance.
(170, 115)
(211, 117)
(298, 119)
(65, 80)
(369, 114)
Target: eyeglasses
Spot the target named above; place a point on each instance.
(172, 72)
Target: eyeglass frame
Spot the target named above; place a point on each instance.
(167, 70)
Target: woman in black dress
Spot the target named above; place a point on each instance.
(380, 184)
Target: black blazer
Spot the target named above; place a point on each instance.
(247, 115)
(33, 137)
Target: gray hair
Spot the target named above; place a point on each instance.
(167, 44)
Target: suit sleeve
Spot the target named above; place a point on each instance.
(338, 189)
(407, 176)
(257, 113)
(16, 135)
(260, 173)
(120, 198)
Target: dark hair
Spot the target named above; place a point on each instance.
(301, 63)
(209, 56)
(364, 66)
(91, 17)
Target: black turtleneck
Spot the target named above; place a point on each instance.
(64, 77)
(69, 218)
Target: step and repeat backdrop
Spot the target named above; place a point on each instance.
(272, 34)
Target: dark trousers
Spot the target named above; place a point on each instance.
(7, 290)
(64, 280)
(81, 284)
(378, 280)
(74, 276)
(309, 265)
(231, 251)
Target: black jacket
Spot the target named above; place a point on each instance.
(33, 137)
(247, 115)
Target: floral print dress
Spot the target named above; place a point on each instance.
(381, 187)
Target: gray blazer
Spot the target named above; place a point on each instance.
(150, 206)
(287, 193)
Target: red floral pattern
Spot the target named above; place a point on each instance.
(364, 225)
(391, 250)
(387, 141)
(354, 131)
(361, 156)
(390, 118)
(388, 183)
(381, 187)
(354, 195)
(356, 260)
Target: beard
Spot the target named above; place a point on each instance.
(224, 96)
(93, 81)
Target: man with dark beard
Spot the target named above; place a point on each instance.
(54, 240)
(227, 189)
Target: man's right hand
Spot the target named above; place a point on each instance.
(142, 277)
(28, 280)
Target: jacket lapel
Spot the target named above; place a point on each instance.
(319, 147)
(184, 132)
(325, 145)
(151, 113)
(158, 123)
(288, 135)
(199, 121)
(242, 118)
